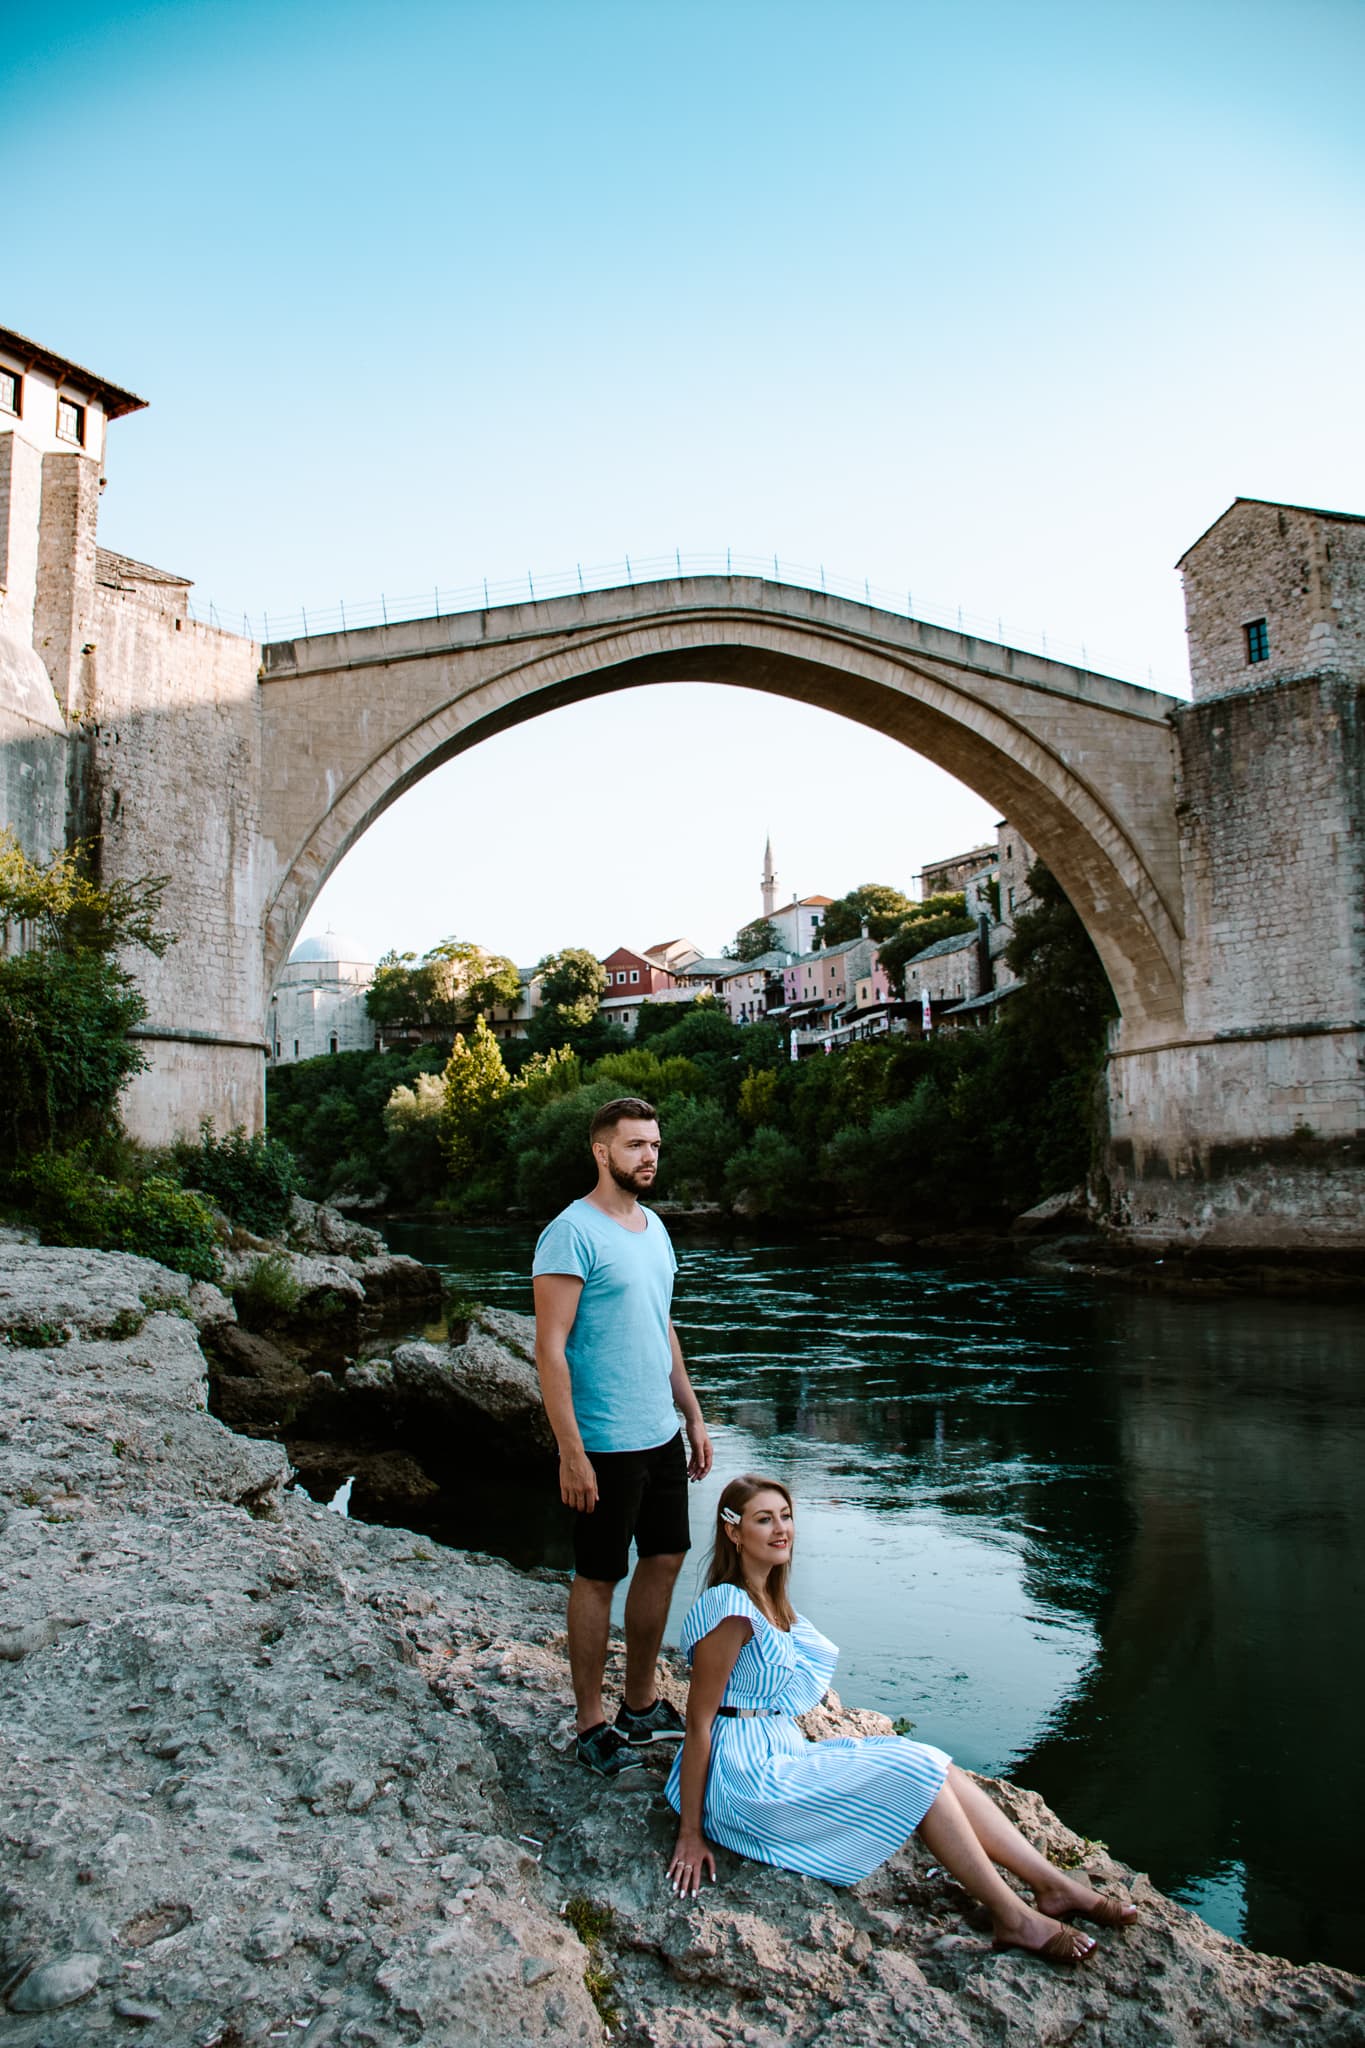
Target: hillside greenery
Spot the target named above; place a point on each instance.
(932, 1133)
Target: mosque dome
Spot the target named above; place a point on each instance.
(331, 946)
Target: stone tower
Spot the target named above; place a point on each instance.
(1248, 1125)
(769, 880)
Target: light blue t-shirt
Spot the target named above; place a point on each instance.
(619, 1355)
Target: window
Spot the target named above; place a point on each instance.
(1258, 640)
(70, 421)
(11, 391)
(332, 1043)
(635, 974)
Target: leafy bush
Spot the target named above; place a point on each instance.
(66, 1004)
(253, 1180)
(268, 1289)
(770, 1174)
(413, 1158)
(70, 1204)
(700, 1140)
(330, 1113)
(64, 1046)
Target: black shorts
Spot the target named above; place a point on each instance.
(640, 1494)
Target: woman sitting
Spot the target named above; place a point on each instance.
(748, 1778)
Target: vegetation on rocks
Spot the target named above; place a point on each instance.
(253, 1180)
(73, 1205)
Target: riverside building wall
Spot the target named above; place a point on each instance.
(1249, 1126)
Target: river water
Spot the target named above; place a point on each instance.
(1104, 1543)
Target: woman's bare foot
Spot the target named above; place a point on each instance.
(1040, 1935)
(1069, 1896)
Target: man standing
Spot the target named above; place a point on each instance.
(611, 1372)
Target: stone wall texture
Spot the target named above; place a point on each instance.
(175, 762)
(1251, 1127)
(1301, 571)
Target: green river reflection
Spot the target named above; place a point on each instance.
(1105, 1543)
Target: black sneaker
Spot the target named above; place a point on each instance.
(604, 1751)
(659, 1723)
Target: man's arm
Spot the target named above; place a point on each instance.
(699, 1464)
(556, 1297)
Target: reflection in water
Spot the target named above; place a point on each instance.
(1108, 1543)
(1218, 1727)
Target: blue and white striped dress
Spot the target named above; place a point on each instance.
(831, 1809)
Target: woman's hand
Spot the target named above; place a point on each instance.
(691, 1857)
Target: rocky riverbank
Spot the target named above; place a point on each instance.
(270, 1774)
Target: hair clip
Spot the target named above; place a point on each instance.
(729, 1515)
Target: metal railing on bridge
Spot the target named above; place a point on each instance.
(534, 586)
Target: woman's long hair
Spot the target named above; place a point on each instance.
(726, 1569)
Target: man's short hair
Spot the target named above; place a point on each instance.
(625, 1107)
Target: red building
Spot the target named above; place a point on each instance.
(634, 974)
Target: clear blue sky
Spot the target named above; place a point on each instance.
(1003, 303)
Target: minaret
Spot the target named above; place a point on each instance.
(769, 880)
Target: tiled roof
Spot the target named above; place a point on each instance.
(116, 569)
(115, 400)
(940, 946)
(712, 970)
(991, 997)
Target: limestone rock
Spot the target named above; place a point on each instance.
(34, 1635)
(1054, 1213)
(313, 1227)
(62, 1981)
(491, 1374)
(330, 1776)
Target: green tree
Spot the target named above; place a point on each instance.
(572, 981)
(937, 917)
(1054, 1030)
(547, 1074)
(475, 1080)
(67, 1005)
(653, 1019)
(700, 1140)
(753, 939)
(758, 1097)
(466, 981)
(1067, 994)
(399, 997)
(413, 1120)
(769, 1176)
(875, 904)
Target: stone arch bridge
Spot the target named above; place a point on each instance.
(1082, 764)
(1215, 850)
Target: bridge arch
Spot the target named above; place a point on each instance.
(1083, 765)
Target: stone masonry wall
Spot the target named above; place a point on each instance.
(1271, 809)
(32, 732)
(21, 490)
(174, 761)
(1251, 1128)
(66, 569)
(1303, 572)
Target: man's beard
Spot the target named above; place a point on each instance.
(629, 1179)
